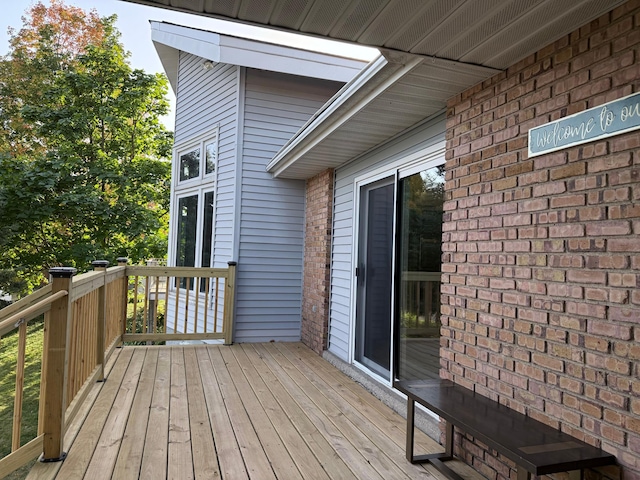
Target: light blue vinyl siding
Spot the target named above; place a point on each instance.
(206, 99)
(270, 262)
(430, 134)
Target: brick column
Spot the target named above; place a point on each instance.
(317, 258)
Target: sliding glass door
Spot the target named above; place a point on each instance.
(419, 253)
(374, 277)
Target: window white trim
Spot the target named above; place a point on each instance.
(200, 144)
(199, 186)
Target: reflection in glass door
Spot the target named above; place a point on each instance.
(374, 277)
(421, 198)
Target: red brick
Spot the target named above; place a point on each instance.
(587, 276)
(563, 231)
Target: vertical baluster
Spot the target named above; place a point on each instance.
(196, 290)
(186, 304)
(145, 313)
(207, 283)
(122, 262)
(215, 308)
(19, 392)
(101, 266)
(134, 322)
(175, 319)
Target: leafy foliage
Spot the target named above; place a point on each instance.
(84, 173)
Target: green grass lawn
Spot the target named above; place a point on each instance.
(8, 356)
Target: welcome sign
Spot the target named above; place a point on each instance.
(613, 118)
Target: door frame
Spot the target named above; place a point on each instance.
(411, 164)
(369, 184)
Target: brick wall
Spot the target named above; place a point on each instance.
(541, 256)
(317, 255)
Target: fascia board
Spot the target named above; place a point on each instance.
(205, 46)
(277, 58)
(254, 54)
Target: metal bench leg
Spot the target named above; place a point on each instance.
(410, 425)
(448, 439)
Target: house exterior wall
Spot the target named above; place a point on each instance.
(206, 99)
(541, 256)
(271, 210)
(428, 137)
(317, 257)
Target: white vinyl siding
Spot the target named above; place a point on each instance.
(206, 99)
(269, 276)
(425, 137)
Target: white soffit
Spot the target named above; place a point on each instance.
(394, 93)
(493, 33)
(169, 39)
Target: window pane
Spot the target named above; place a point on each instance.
(211, 153)
(190, 165)
(207, 234)
(186, 237)
(419, 261)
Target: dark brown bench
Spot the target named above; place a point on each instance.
(536, 448)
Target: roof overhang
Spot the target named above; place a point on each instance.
(493, 33)
(393, 94)
(169, 39)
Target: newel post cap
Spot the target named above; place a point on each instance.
(100, 263)
(62, 272)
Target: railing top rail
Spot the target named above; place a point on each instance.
(30, 313)
(25, 302)
(141, 270)
(86, 278)
(115, 272)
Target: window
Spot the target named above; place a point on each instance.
(196, 161)
(190, 165)
(193, 204)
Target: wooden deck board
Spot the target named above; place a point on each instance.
(156, 440)
(273, 411)
(132, 447)
(205, 465)
(180, 459)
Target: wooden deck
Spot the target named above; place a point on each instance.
(247, 411)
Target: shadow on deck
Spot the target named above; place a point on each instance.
(247, 411)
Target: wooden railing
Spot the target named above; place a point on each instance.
(180, 303)
(86, 317)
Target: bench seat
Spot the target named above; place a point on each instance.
(535, 447)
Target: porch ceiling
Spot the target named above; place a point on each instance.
(433, 49)
(493, 33)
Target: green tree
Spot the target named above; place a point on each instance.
(91, 178)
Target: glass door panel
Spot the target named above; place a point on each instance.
(419, 260)
(374, 277)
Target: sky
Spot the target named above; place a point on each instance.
(133, 24)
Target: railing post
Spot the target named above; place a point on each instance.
(57, 359)
(101, 266)
(229, 303)
(122, 262)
